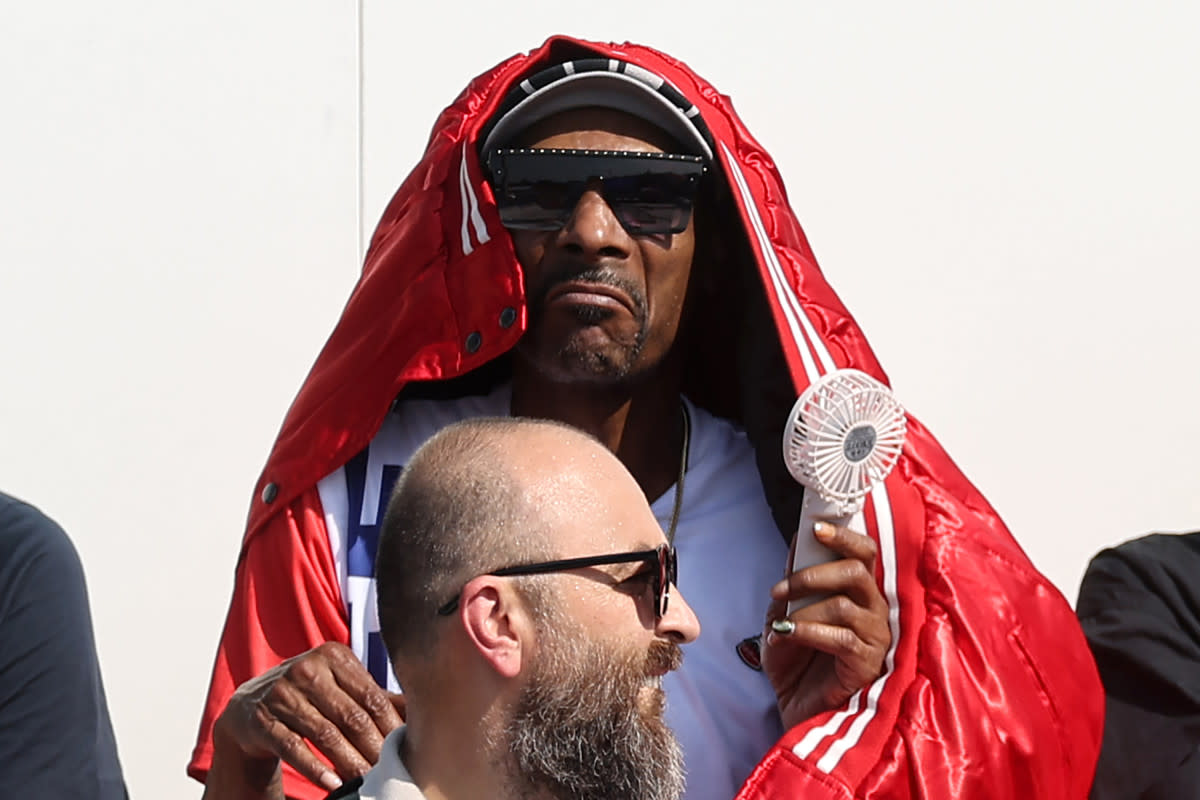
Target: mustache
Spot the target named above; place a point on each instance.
(576, 271)
(662, 656)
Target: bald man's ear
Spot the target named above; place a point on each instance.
(497, 621)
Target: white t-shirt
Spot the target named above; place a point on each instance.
(730, 554)
(389, 779)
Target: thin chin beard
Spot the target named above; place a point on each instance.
(571, 362)
(599, 365)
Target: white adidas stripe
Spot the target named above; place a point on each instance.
(812, 349)
(782, 287)
(481, 231)
(470, 209)
(466, 210)
(805, 746)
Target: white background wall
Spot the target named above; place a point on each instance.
(1005, 197)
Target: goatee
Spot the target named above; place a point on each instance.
(573, 357)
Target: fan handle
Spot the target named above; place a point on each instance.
(807, 550)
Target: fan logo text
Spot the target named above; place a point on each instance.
(859, 443)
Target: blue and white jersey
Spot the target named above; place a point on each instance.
(355, 497)
(730, 554)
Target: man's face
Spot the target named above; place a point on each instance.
(604, 305)
(588, 718)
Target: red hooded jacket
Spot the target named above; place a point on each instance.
(989, 689)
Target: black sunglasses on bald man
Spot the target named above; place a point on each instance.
(662, 559)
(650, 193)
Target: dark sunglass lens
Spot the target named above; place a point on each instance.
(650, 194)
(666, 573)
(651, 202)
(553, 195)
(638, 218)
(541, 205)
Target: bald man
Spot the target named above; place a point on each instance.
(526, 601)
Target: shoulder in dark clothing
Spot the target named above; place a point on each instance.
(1139, 605)
(55, 731)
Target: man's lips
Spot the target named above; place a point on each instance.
(589, 293)
(663, 657)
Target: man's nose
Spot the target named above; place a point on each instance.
(680, 622)
(594, 230)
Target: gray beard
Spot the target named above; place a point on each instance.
(578, 732)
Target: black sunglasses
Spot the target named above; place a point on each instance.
(538, 189)
(662, 557)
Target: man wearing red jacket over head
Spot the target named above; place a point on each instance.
(514, 272)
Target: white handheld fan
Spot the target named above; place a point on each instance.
(843, 436)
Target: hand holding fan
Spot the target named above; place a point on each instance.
(843, 436)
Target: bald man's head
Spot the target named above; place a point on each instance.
(563, 677)
(480, 494)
